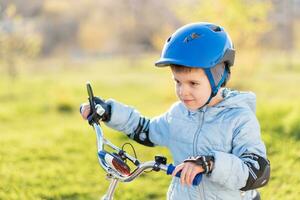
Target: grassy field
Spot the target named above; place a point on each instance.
(48, 152)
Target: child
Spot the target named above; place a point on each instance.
(211, 129)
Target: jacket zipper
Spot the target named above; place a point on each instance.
(196, 136)
(198, 133)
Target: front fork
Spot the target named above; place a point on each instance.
(111, 190)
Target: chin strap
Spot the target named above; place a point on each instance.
(214, 88)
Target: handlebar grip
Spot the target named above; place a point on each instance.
(196, 180)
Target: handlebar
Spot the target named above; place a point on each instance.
(113, 163)
(106, 159)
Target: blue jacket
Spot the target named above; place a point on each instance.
(226, 131)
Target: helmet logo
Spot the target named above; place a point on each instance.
(191, 37)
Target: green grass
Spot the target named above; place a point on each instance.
(48, 152)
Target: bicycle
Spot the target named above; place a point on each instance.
(115, 163)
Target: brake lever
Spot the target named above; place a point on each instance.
(91, 96)
(92, 118)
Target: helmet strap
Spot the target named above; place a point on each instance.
(214, 88)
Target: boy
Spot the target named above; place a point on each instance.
(211, 129)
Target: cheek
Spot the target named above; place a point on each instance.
(177, 90)
(203, 93)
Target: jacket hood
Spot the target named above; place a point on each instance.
(237, 99)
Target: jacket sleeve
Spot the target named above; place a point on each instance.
(233, 170)
(129, 121)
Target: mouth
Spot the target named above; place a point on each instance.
(187, 101)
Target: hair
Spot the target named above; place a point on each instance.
(181, 68)
(217, 71)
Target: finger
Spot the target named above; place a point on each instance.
(196, 170)
(85, 104)
(86, 111)
(192, 176)
(188, 178)
(177, 169)
(183, 175)
(83, 112)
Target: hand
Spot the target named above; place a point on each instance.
(85, 110)
(188, 172)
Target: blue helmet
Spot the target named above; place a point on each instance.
(199, 45)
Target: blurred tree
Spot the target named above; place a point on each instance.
(91, 36)
(133, 27)
(245, 20)
(289, 33)
(128, 27)
(59, 25)
(18, 40)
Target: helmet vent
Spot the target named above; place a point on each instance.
(216, 28)
(190, 37)
(168, 40)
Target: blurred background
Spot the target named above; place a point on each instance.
(50, 48)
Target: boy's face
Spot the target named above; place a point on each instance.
(192, 87)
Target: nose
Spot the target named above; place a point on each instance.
(183, 91)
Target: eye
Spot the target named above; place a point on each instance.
(194, 83)
(176, 81)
